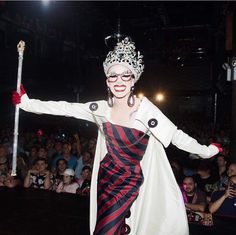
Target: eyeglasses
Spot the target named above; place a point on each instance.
(126, 77)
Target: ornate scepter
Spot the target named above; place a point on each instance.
(20, 49)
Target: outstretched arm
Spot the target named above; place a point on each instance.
(185, 142)
(60, 108)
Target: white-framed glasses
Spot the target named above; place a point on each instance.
(125, 76)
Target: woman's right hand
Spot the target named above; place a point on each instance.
(16, 97)
(230, 192)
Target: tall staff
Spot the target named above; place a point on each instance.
(20, 49)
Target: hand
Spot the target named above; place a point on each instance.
(218, 146)
(230, 192)
(16, 97)
(33, 172)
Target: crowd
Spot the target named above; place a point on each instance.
(63, 163)
(58, 163)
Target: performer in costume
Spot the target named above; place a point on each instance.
(133, 189)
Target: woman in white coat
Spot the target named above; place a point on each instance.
(133, 189)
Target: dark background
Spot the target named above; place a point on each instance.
(183, 43)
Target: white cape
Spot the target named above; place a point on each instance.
(159, 208)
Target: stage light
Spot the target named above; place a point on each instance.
(159, 97)
(140, 95)
(45, 2)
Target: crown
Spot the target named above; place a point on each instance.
(124, 53)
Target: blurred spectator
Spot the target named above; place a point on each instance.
(84, 160)
(61, 166)
(66, 154)
(85, 181)
(194, 198)
(222, 172)
(223, 202)
(50, 150)
(33, 154)
(231, 170)
(42, 153)
(38, 177)
(205, 180)
(92, 145)
(68, 185)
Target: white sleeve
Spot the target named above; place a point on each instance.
(61, 108)
(183, 141)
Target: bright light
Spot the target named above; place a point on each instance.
(45, 2)
(140, 95)
(160, 97)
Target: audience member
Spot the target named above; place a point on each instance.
(68, 185)
(205, 180)
(84, 160)
(231, 170)
(222, 172)
(66, 154)
(223, 202)
(84, 181)
(39, 177)
(61, 166)
(33, 155)
(194, 198)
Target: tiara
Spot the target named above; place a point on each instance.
(124, 53)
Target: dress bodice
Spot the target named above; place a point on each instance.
(126, 145)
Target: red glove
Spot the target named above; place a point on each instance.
(16, 97)
(218, 146)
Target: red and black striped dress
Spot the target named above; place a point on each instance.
(119, 178)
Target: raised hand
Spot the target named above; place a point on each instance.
(16, 97)
(218, 146)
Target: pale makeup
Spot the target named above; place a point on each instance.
(120, 88)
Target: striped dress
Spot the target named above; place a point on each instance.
(119, 178)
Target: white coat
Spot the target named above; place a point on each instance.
(159, 208)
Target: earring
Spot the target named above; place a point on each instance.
(131, 100)
(109, 98)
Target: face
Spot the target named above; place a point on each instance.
(66, 148)
(49, 144)
(189, 185)
(120, 80)
(42, 153)
(61, 166)
(41, 166)
(33, 152)
(86, 174)
(232, 170)
(67, 179)
(86, 157)
(92, 144)
(58, 146)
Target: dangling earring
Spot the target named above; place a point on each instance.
(131, 100)
(109, 98)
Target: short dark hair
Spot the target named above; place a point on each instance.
(41, 159)
(86, 168)
(61, 159)
(191, 177)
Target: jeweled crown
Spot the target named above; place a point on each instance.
(124, 53)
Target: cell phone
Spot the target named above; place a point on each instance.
(233, 186)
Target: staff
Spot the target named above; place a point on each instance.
(20, 49)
